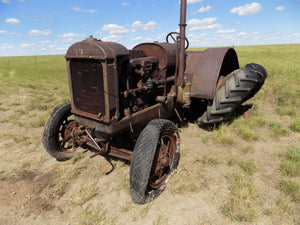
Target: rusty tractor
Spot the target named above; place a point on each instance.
(121, 100)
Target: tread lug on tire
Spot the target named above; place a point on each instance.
(54, 136)
(237, 87)
(155, 158)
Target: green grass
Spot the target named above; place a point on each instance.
(93, 216)
(282, 85)
(277, 130)
(291, 163)
(290, 188)
(295, 126)
(241, 206)
(42, 79)
(231, 160)
(207, 160)
(84, 194)
(224, 135)
(246, 127)
(186, 180)
(249, 167)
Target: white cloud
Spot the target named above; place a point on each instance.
(162, 36)
(113, 38)
(7, 46)
(150, 25)
(137, 38)
(30, 46)
(39, 32)
(3, 31)
(12, 21)
(228, 31)
(204, 24)
(193, 1)
(78, 9)
(280, 8)
(204, 9)
(62, 49)
(71, 40)
(44, 42)
(115, 29)
(294, 37)
(6, 1)
(247, 10)
(15, 33)
(137, 24)
(125, 4)
(197, 40)
(69, 35)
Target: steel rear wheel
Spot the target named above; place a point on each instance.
(155, 158)
(57, 136)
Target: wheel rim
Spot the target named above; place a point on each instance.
(163, 161)
(65, 133)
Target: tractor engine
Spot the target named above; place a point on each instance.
(108, 82)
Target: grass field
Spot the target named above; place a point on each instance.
(246, 171)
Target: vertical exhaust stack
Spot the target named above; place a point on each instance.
(183, 87)
(182, 25)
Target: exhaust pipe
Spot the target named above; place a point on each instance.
(183, 87)
(182, 25)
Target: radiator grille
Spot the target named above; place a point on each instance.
(87, 85)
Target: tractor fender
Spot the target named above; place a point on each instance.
(203, 69)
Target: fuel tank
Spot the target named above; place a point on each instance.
(165, 52)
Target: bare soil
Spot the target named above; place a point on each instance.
(37, 189)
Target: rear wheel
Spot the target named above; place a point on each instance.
(155, 157)
(57, 136)
(236, 88)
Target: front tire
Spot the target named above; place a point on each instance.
(155, 157)
(57, 139)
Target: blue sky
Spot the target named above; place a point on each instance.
(42, 27)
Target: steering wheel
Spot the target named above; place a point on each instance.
(171, 35)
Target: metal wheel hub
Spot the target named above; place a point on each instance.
(162, 164)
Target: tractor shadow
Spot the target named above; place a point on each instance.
(198, 108)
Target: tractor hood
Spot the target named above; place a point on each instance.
(92, 48)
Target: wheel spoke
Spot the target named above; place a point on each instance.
(164, 159)
(173, 38)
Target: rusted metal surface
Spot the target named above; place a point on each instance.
(120, 153)
(136, 120)
(163, 160)
(96, 49)
(203, 68)
(165, 52)
(93, 78)
(87, 86)
(181, 57)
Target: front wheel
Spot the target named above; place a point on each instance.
(57, 136)
(155, 157)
